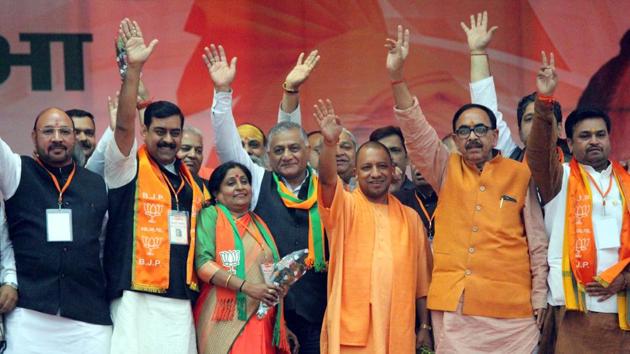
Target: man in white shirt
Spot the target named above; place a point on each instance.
(587, 220)
(482, 91)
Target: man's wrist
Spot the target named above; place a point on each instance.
(11, 284)
(331, 143)
(290, 87)
(478, 52)
(222, 88)
(396, 76)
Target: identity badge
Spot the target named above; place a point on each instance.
(59, 225)
(607, 232)
(178, 227)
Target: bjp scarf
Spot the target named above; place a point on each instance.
(231, 256)
(579, 259)
(151, 245)
(316, 253)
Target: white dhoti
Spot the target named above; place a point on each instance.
(33, 332)
(145, 323)
(455, 332)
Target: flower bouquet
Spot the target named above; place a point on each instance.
(284, 274)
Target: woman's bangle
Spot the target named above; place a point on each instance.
(227, 282)
(240, 288)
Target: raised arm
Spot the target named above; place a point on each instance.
(479, 38)
(542, 156)
(331, 129)
(227, 140)
(424, 147)
(482, 90)
(137, 54)
(290, 105)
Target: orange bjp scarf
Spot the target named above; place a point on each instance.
(151, 245)
(579, 260)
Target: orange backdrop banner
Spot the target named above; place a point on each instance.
(61, 54)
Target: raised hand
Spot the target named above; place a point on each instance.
(301, 70)
(137, 51)
(328, 121)
(478, 34)
(221, 72)
(112, 108)
(547, 79)
(397, 51)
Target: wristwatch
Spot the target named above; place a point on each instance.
(11, 284)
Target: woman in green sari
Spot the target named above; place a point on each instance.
(233, 246)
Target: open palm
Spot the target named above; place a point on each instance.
(221, 72)
(478, 34)
(328, 121)
(302, 70)
(137, 51)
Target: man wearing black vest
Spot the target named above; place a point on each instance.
(154, 200)
(55, 211)
(276, 193)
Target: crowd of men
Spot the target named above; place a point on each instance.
(462, 244)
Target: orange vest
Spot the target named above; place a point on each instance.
(480, 246)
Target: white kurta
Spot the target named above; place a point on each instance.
(145, 323)
(33, 332)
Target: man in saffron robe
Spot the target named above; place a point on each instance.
(380, 261)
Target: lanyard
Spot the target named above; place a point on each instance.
(604, 195)
(61, 190)
(424, 210)
(170, 186)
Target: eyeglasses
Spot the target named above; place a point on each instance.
(480, 130)
(63, 132)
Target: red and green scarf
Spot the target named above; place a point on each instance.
(228, 300)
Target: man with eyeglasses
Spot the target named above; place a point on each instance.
(55, 210)
(490, 247)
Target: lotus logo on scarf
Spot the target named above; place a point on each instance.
(151, 244)
(231, 259)
(581, 211)
(153, 211)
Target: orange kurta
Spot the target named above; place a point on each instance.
(379, 265)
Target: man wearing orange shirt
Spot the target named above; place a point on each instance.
(490, 247)
(380, 261)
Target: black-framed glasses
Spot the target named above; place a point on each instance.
(480, 130)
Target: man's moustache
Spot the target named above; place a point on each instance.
(168, 145)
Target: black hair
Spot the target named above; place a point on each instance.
(531, 98)
(75, 112)
(488, 111)
(581, 114)
(218, 175)
(384, 132)
(162, 109)
(377, 145)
